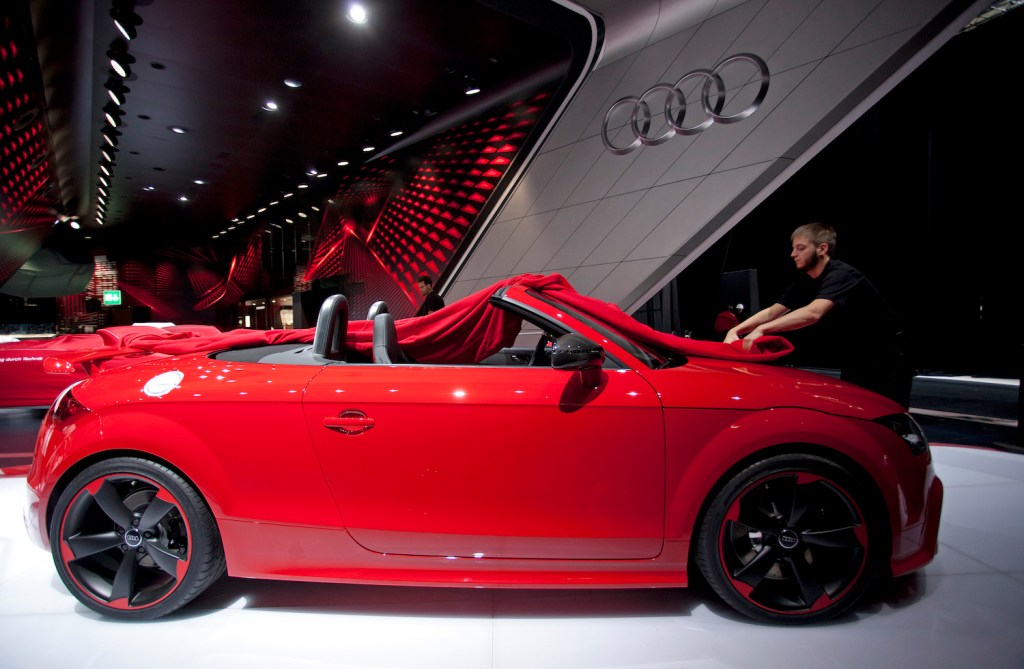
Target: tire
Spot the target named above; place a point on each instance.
(133, 540)
(791, 539)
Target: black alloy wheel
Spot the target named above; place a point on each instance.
(133, 540)
(790, 539)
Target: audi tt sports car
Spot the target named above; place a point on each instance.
(524, 436)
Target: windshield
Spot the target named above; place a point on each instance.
(650, 357)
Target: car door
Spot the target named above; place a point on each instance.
(487, 461)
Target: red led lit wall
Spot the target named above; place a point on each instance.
(27, 198)
(429, 212)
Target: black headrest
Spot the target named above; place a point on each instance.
(331, 328)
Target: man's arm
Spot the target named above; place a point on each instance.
(794, 320)
(764, 316)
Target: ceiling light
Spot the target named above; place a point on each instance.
(127, 29)
(270, 105)
(183, 198)
(105, 168)
(113, 114)
(108, 153)
(116, 90)
(472, 90)
(149, 188)
(120, 61)
(356, 13)
(177, 129)
(367, 149)
(126, 20)
(74, 224)
(199, 182)
(342, 163)
(396, 133)
(292, 83)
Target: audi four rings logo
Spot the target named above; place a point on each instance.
(712, 102)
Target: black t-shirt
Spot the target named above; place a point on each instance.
(860, 320)
(431, 302)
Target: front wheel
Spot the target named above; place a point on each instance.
(790, 539)
(133, 540)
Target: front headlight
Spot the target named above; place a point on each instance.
(904, 425)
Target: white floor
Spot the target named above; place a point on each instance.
(966, 609)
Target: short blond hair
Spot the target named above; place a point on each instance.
(819, 233)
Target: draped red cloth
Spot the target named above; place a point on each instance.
(465, 331)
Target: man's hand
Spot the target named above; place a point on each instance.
(751, 337)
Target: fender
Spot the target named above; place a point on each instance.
(742, 435)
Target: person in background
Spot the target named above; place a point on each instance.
(431, 300)
(725, 321)
(867, 336)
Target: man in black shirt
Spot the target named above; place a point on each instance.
(869, 339)
(431, 300)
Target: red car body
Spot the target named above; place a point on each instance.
(489, 475)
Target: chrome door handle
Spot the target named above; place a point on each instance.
(350, 421)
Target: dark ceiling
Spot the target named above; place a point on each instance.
(211, 67)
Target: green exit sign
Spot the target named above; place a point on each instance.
(111, 298)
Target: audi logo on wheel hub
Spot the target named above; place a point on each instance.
(712, 102)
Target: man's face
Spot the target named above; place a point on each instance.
(424, 287)
(805, 254)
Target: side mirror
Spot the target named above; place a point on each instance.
(573, 352)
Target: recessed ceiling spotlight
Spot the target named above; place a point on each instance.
(183, 198)
(120, 61)
(270, 105)
(396, 133)
(472, 90)
(303, 185)
(126, 21)
(116, 90)
(321, 175)
(149, 188)
(113, 114)
(288, 194)
(292, 83)
(356, 13)
(367, 149)
(312, 172)
(177, 129)
(342, 163)
(199, 182)
(261, 210)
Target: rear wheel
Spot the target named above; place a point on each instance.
(790, 539)
(133, 540)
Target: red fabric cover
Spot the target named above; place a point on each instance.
(465, 331)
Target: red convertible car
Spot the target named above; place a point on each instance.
(525, 436)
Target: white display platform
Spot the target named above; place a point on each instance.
(966, 609)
